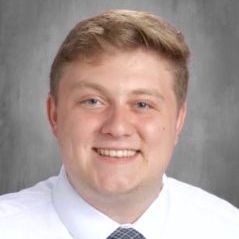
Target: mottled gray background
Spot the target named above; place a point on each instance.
(30, 34)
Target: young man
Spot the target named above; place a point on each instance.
(116, 106)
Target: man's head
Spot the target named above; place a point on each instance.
(117, 103)
(124, 30)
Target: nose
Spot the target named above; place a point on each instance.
(118, 123)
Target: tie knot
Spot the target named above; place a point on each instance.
(125, 233)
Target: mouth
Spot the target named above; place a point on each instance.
(116, 153)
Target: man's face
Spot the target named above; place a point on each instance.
(116, 122)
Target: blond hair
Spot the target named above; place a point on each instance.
(124, 30)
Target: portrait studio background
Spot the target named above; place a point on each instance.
(30, 34)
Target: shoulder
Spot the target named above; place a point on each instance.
(30, 213)
(200, 209)
(26, 199)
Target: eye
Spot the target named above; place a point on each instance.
(91, 102)
(142, 105)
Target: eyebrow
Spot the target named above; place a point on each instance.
(89, 85)
(136, 92)
(150, 92)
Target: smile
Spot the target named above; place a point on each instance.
(122, 153)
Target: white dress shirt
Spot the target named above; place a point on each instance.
(53, 209)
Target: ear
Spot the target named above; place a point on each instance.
(52, 113)
(180, 120)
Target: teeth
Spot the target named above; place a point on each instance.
(117, 153)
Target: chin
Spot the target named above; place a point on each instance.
(116, 188)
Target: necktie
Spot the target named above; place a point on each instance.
(125, 233)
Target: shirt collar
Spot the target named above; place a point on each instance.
(84, 221)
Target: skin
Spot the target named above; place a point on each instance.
(121, 101)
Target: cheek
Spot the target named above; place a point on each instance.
(158, 145)
(152, 130)
(159, 134)
(77, 123)
(76, 136)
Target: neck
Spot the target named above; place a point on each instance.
(126, 208)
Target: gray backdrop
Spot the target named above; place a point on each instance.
(30, 34)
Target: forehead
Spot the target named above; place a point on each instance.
(130, 53)
(126, 59)
(120, 70)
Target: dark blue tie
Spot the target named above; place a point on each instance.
(125, 233)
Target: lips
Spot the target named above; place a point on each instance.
(116, 153)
